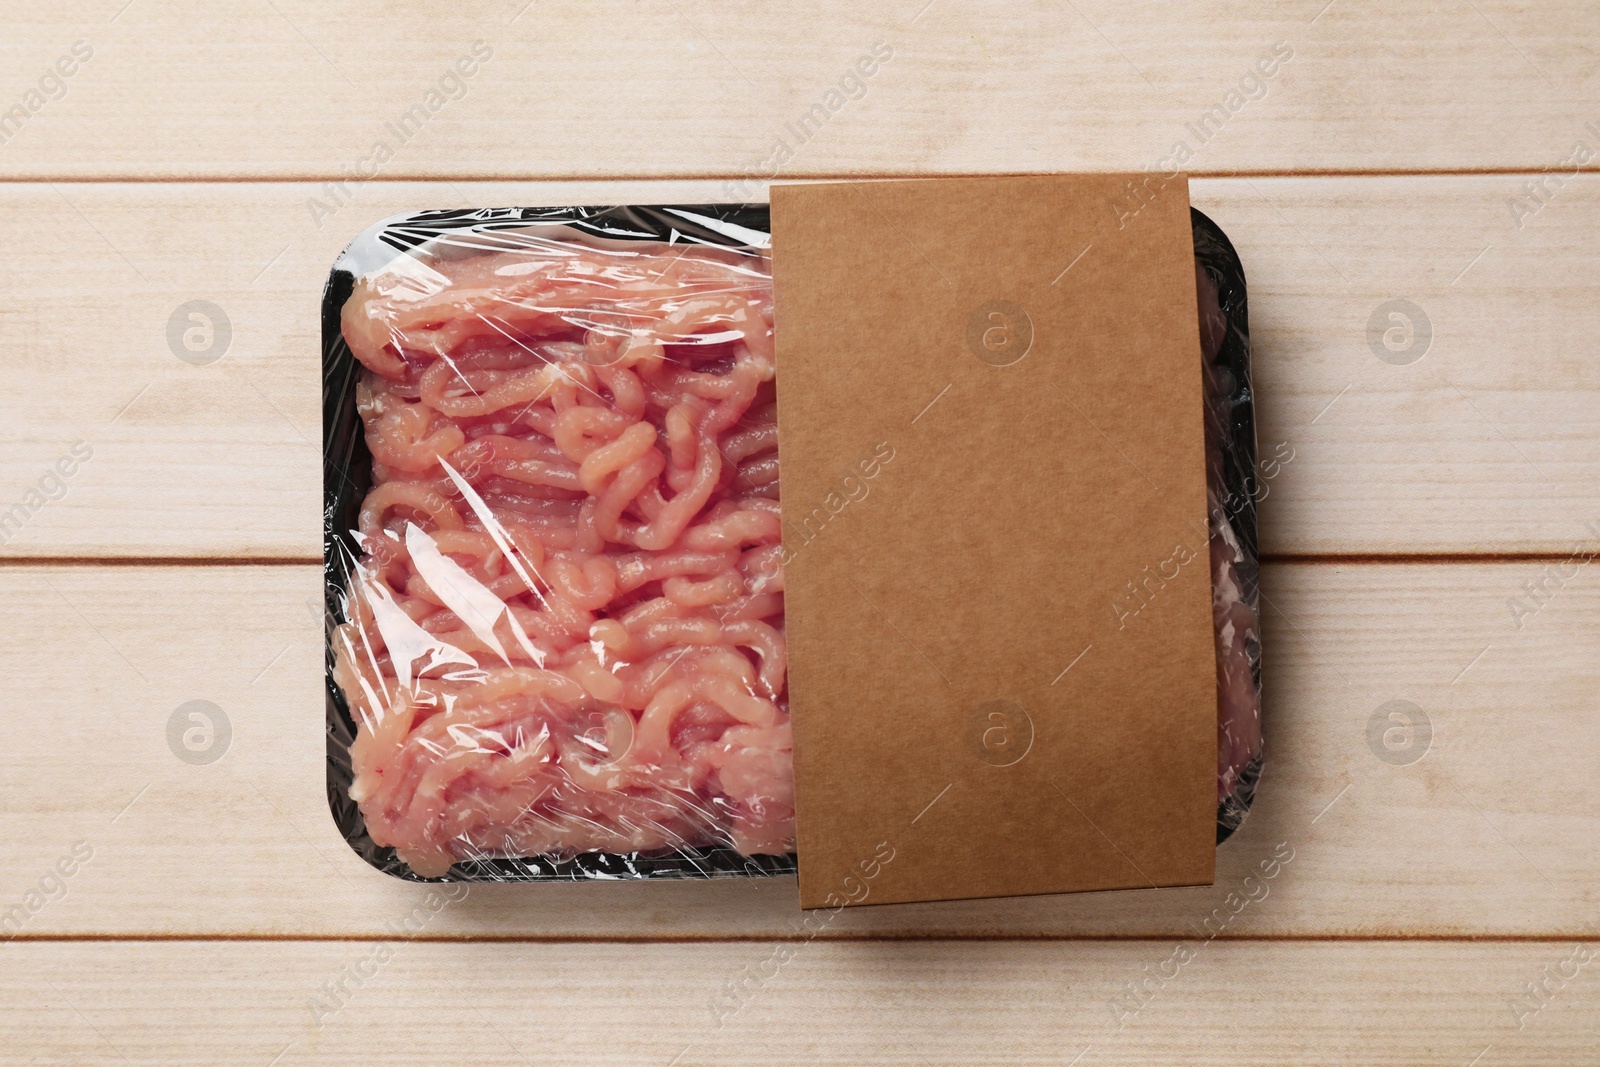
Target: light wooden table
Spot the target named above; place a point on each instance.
(1437, 910)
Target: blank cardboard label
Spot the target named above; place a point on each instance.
(1002, 670)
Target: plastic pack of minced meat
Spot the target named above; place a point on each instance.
(552, 535)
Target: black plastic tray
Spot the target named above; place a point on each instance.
(346, 474)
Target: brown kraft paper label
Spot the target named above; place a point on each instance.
(1001, 661)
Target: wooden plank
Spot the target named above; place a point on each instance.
(1490, 442)
(295, 89)
(1492, 832)
(1477, 438)
(929, 1002)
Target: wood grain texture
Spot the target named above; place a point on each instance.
(298, 89)
(185, 160)
(1489, 442)
(1492, 832)
(929, 1003)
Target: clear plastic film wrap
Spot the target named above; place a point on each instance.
(1232, 489)
(555, 604)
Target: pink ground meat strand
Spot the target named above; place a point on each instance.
(566, 628)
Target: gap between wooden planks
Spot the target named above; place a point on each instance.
(1489, 834)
